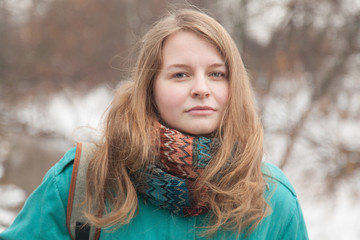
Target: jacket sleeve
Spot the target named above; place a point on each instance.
(44, 213)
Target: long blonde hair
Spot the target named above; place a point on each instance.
(236, 188)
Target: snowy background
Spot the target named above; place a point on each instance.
(304, 59)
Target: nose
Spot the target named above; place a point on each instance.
(200, 88)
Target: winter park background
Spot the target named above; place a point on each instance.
(61, 60)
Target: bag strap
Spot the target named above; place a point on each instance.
(77, 224)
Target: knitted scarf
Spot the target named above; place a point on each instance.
(169, 182)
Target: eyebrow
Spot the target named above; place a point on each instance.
(177, 66)
(188, 66)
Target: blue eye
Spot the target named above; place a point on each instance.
(179, 75)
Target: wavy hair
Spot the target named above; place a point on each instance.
(236, 188)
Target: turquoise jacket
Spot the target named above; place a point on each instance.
(44, 214)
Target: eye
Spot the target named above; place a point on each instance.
(217, 75)
(179, 75)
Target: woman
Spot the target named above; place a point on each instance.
(181, 156)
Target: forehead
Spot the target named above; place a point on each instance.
(183, 46)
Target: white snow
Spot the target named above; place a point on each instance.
(66, 112)
(10, 197)
(13, 196)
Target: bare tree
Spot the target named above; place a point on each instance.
(314, 42)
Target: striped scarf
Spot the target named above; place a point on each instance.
(168, 183)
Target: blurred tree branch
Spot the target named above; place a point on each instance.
(327, 76)
(315, 42)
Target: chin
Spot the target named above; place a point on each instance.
(201, 131)
(195, 129)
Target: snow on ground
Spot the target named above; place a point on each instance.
(328, 216)
(11, 197)
(67, 112)
(335, 216)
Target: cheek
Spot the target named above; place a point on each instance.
(167, 99)
(222, 94)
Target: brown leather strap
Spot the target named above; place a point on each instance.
(73, 184)
(97, 233)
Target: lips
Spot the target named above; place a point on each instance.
(201, 110)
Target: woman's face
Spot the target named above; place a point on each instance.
(191, 89)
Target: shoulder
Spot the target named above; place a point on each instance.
(64, 163)
(60, 175)
(279, 193)
(44, 213)
(274, 176)
(285, 208)
(63, 167)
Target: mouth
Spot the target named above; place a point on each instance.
(201, 110)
